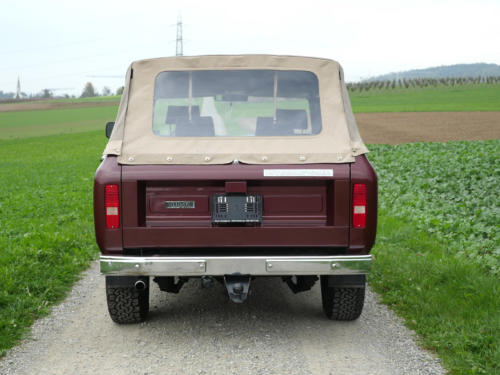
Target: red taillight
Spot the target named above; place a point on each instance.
(112, 207)
(359, 206)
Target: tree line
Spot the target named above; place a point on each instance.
(89, 91)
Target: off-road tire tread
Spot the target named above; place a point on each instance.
(342, 303)
(127, 305)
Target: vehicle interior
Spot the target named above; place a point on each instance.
(222, 103)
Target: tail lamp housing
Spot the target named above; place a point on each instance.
(112, 206)
(359, 192)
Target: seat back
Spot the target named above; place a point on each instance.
(292, 118)
(180, 112)
(198, 127)
(287, 121)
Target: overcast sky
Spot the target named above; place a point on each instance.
(63, 44)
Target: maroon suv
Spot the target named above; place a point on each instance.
(226, 168)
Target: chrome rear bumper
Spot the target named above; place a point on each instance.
(244, 265)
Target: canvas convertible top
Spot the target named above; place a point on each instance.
(218, 109)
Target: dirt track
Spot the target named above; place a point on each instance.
(199, 331)
(404, 127)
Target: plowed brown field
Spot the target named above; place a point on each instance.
(403, 127)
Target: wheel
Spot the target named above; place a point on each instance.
(127, 304)
(342, 303)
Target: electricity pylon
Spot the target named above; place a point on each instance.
(178, 45)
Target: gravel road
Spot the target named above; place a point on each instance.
(199, 331)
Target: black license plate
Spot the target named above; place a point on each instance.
(237, 208)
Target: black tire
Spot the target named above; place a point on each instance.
(127, 305)
(341, 303)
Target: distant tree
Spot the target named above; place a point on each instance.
(88, 90)
(46, 94)
(106, 91)
(119, 90)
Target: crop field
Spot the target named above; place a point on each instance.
(478, 97)
(438, 245)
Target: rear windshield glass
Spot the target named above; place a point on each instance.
(236, 103)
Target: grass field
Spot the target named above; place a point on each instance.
(46, 224)
(21, 124)
(480, 97)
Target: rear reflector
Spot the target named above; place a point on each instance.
(112, 205)
(359, 206)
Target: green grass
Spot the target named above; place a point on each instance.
(46, 224)
(480, 97)
(452, 304)
(54, 121)
(438, 247)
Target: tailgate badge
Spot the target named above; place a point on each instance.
(179, 204)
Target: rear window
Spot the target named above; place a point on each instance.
(236, 103)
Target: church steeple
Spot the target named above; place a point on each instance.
(18, 92)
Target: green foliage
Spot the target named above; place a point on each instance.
(452, 304)
(437, 253)
(448, 189)
(46, 224)
(54, 121)
(464, 97)
(88, 90)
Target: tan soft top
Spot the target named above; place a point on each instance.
(134, 142)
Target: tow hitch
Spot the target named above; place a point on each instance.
(237, 287)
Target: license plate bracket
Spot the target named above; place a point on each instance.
(236, 208)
